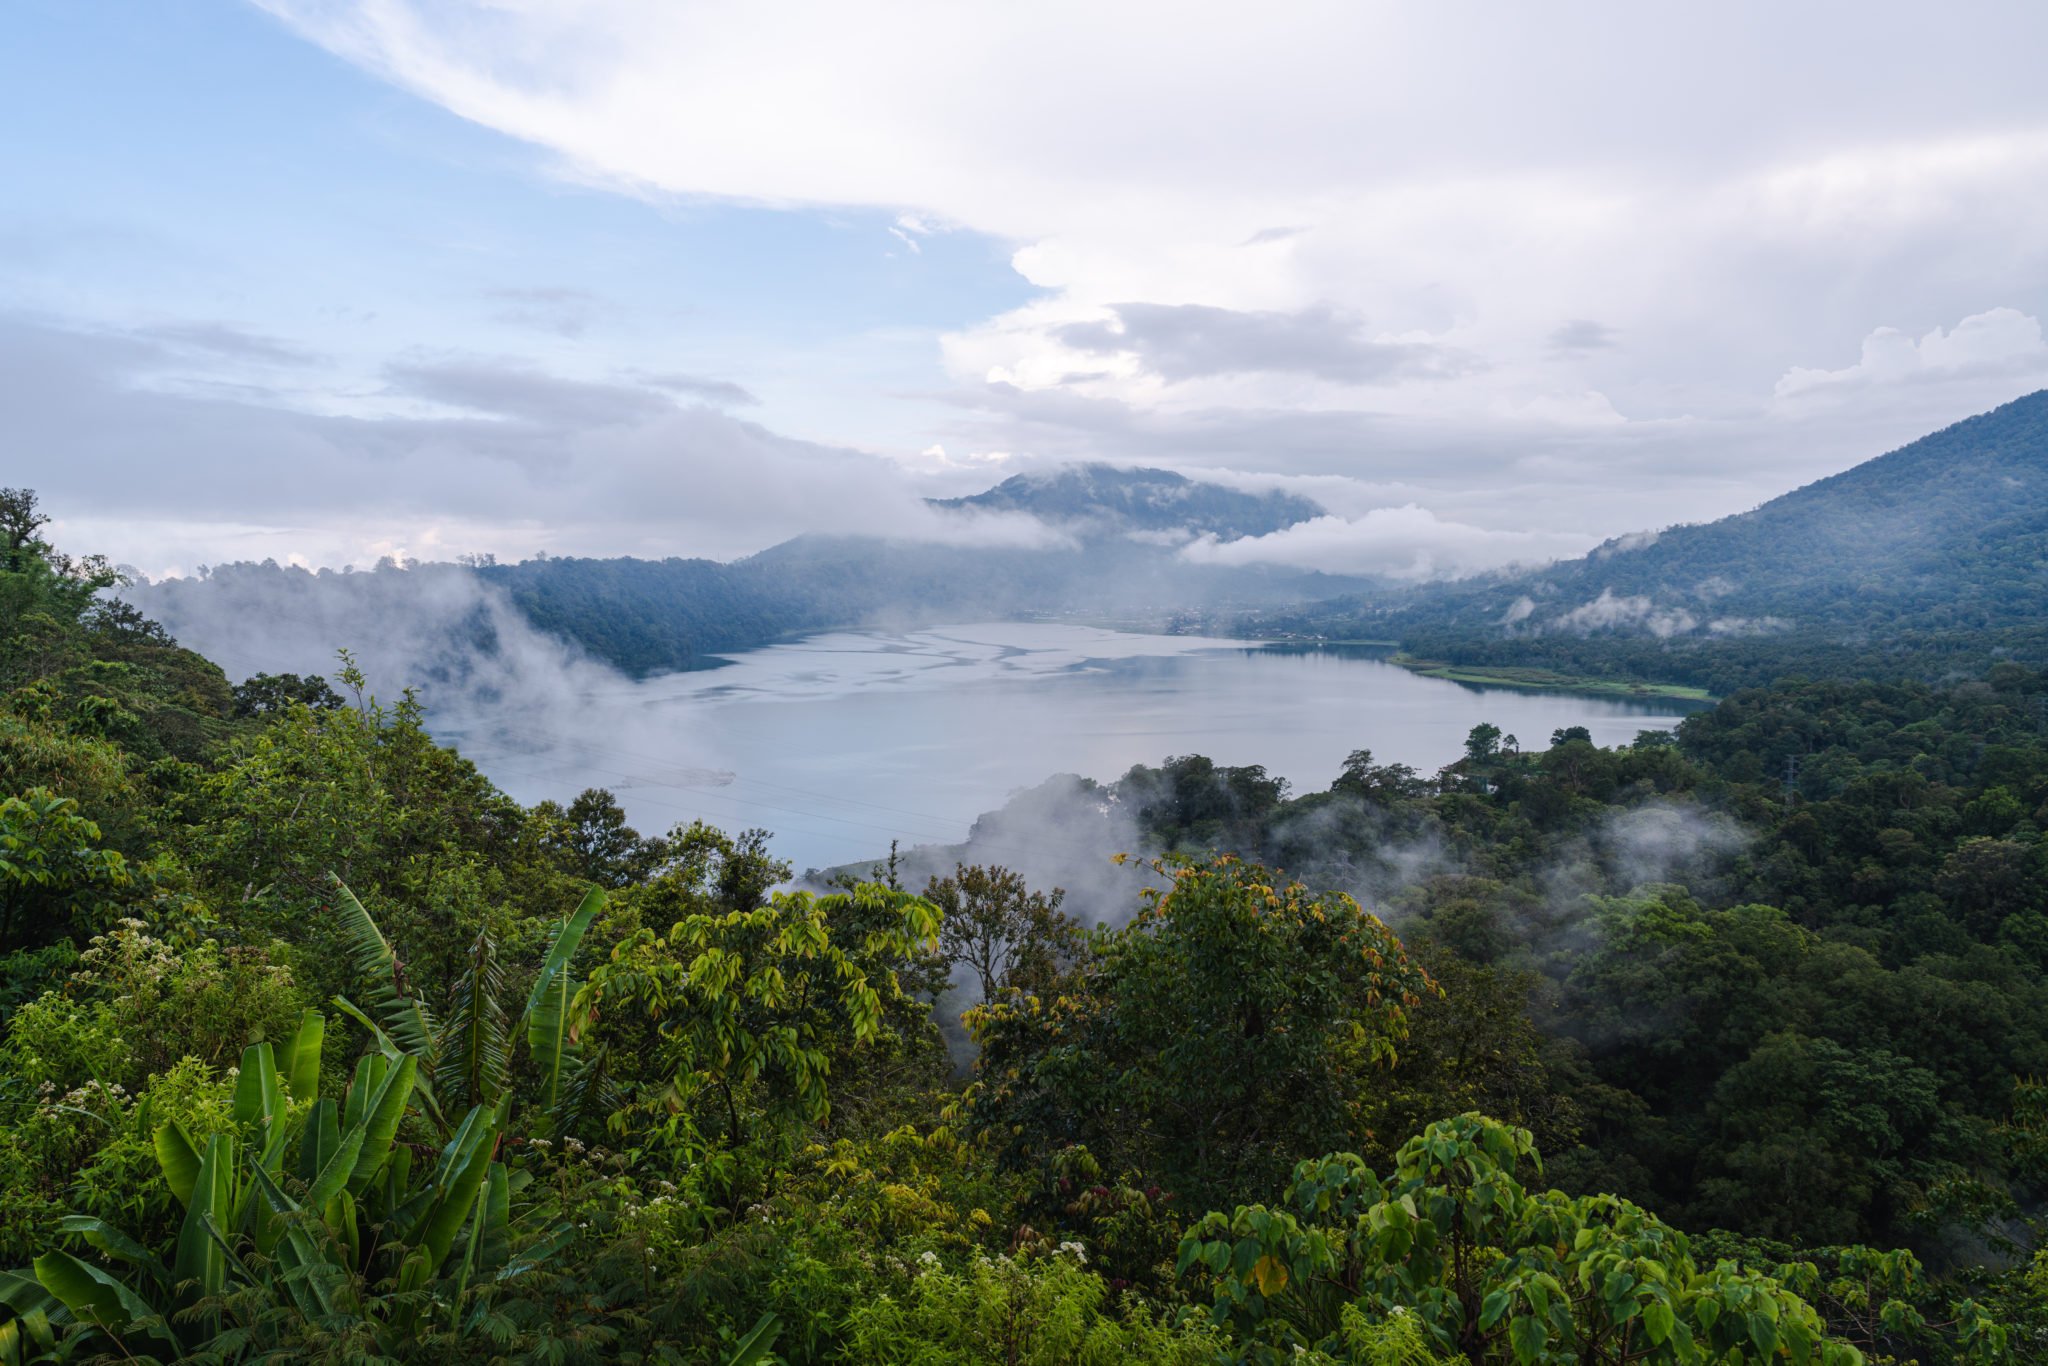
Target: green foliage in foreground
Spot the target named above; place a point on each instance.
(252, 1112)
(1486, 1269)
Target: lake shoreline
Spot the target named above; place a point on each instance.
(1546, 680)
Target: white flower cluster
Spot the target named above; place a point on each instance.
(92, 1091)
(1076, 1251)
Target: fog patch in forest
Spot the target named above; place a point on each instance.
(1065, 833)
(490, 683)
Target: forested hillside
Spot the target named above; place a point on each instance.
(317, 1047)
(1930, 559)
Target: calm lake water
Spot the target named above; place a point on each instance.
(840, 743)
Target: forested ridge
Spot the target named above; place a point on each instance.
(1916, 564)
(316, 1046)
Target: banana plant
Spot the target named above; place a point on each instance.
(350, 1218)
(465, 1058)
(352, 1214)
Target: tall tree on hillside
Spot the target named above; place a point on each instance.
(1000, 930)
(20, 520)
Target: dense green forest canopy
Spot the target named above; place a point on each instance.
(316, 1046)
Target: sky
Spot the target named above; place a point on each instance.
(324, 282)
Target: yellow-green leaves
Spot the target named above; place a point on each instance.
(1552, 1277)
(751, 1005)
(1269, 1273)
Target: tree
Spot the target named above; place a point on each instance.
(464, 1059)
(20, 520)
(747, 1007)
(703, 867)
(1491, 1270)
(1233, 1024)
(1985, 881)
(1482, 743)
(1472, 1048)
(1001, 931)
(263, 694)
(1565, 735)
(1381, 784)
(51, 870)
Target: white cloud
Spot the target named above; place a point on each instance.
(1630, 612)
(2000, 339)
(1430, 223)
(497, 457)
(1523, 269)
(1407, 542)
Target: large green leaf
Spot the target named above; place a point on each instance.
(537, 1252)
(257, 1100)
(547, 1006)
(370, 1073)
(339, 1168)
(105, 1238)
(322, 1137)
(379, 1123)
(392, 1053)
(24, 1294)
(495, 1247)
(300, 1061)
(754, 1346)
(492, 1201)
(29, 1337)
(94, 1297)
(312, 1279)
(452, 1190)
(1527, 1336)
(567, 940)
(198, 1256)
(178, 1158)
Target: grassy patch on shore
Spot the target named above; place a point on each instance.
(1548, 680)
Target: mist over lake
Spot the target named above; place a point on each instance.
(841, 742)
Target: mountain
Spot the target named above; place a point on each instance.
(1116, 557)
(1932, 556)
(1097, 500)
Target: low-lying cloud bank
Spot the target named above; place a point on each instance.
(456, 455)
(1997, 341)
(1409, 542)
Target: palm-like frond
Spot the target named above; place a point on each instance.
(386, 992)
(471, 1054)
(588, 1093)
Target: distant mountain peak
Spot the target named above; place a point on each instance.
(1100, 499)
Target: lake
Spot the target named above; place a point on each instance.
(840, 743)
